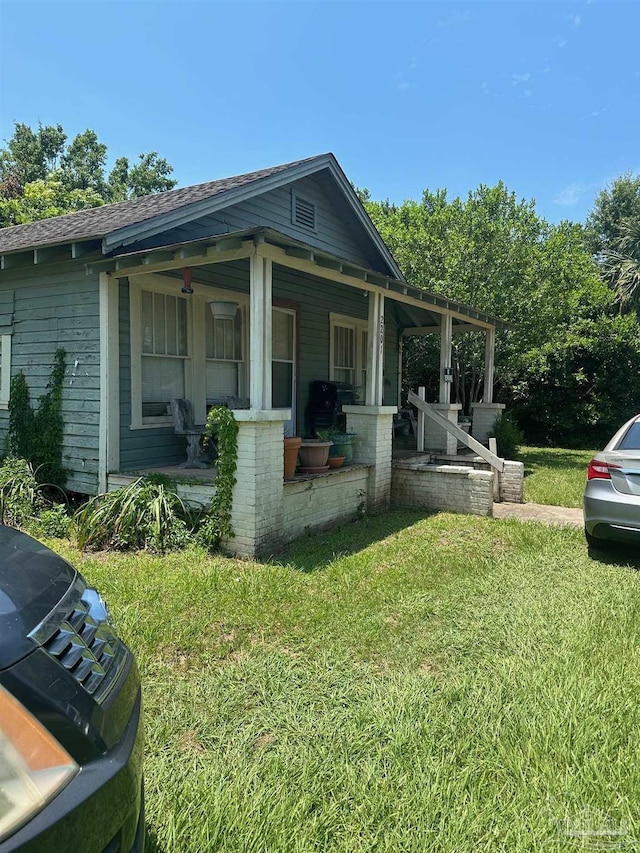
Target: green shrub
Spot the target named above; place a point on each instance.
(53, 522)
(145, 515)
(21, 497)
(508, 437)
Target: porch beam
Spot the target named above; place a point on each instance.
(489, 362)
(445, 356)
(129, 266)
(261, 302)
(280, 256)
(375, 355)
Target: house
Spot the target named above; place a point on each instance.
(125, 290)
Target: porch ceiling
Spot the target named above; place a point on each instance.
(415, 308)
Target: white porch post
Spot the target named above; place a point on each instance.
(400, 354)
(375, 355)
(446, 337)
(486, 412)
(260, 332)
(489, 357)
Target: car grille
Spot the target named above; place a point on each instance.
(81, 638)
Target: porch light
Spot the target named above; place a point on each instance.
(223, 310)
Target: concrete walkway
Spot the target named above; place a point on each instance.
(539, 512)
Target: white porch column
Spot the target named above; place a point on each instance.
(260, 332)
(373, 426)
(375, 355)
(489, 358)
(258, 495)
(486, 412)
(446, 337)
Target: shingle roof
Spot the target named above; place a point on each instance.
(99, 221)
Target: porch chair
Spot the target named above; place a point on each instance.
(183, 424)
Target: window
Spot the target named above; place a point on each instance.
(164, 351)
(5, 370)
(225, 366)
(348, 351)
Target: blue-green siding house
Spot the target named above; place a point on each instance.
(126, 289)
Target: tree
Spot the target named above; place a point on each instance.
(31, 155)
(615, 204)
(83, 164)
(42, 199)
(622, 264)
(42, 176)
(494, 252)
(149, 175)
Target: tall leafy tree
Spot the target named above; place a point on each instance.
(493, 251)
(149, 175)
(30, 155)
(622, 264)
(42, 176)
(613, 206)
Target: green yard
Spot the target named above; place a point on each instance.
(555, 475)
(406, 684)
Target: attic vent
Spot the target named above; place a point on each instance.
(304, 213)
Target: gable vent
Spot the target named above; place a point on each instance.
(304, 213)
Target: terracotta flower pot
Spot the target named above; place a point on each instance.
(291, 447)
(314, 453)
(335, 461)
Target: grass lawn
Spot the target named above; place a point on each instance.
(554, 475)
(447, 683)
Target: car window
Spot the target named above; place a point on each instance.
(631, 439)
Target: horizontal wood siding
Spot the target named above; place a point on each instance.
(337, 231)
(57, 305)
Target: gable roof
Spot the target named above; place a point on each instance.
(126, 222)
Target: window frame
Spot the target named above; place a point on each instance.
(358, 326)
(196, 359)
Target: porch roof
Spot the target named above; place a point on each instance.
(287, 251)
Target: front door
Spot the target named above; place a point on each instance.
(283, 367)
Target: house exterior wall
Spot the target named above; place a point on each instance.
(337, 232)
(57, 306)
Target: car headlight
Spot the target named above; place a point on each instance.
(33, 765)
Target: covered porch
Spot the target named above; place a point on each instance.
(297, 315)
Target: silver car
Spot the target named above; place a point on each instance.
(612, 493)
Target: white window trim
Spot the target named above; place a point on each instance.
(358, 325)
(195, 360)
(5, 372)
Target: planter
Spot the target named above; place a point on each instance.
(314, 453)
(342, 445)
(291, 448)
(335, 461)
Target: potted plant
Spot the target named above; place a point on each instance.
(291, 448)
(314, 453)
(342, 445)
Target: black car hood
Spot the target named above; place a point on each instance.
(32, 581)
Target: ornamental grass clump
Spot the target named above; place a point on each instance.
(144, 515)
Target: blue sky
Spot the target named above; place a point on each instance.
(408, 95)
